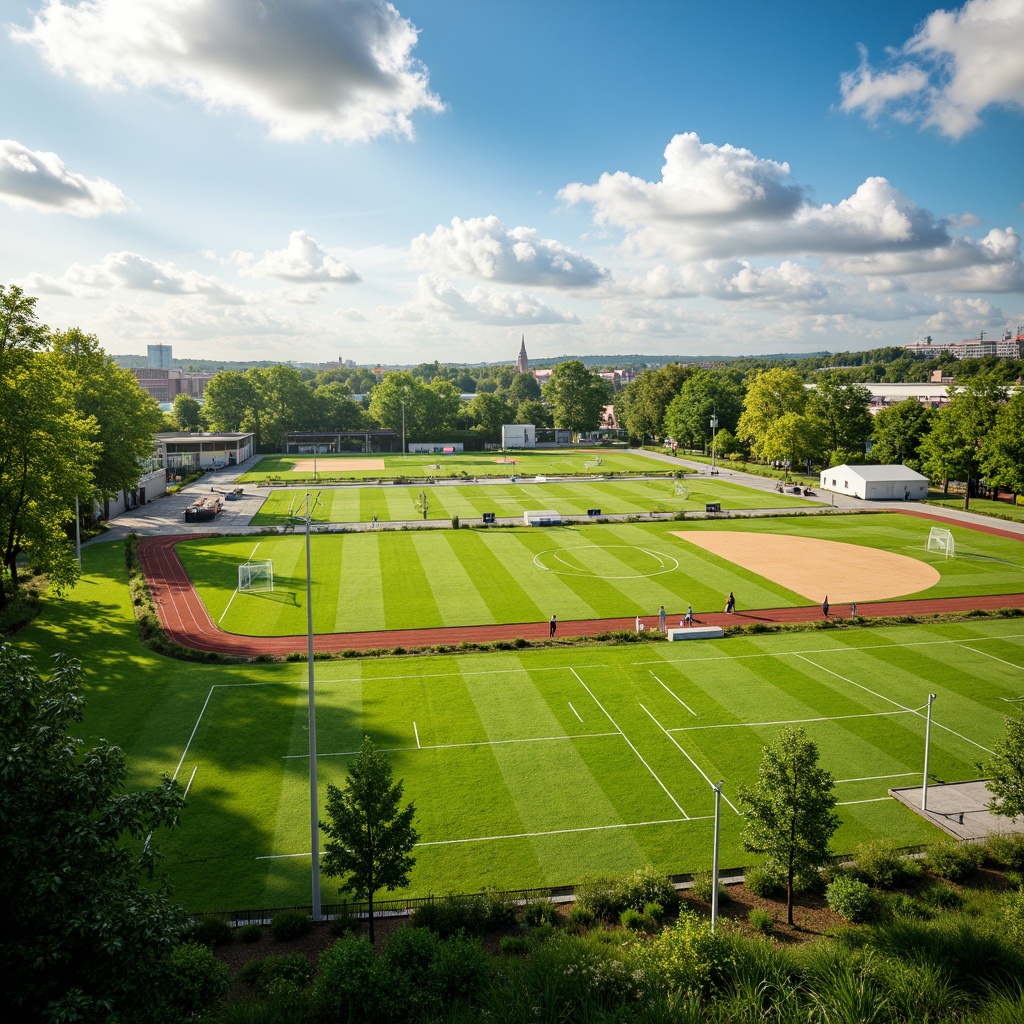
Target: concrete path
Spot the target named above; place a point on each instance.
(959, 809)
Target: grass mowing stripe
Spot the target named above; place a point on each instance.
(456, 746)
(985, 654)
(408, 600)
(457, 598)
(192, 736)
(561, 831)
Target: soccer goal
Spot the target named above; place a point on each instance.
(682, 491)
(941, 540)
(256, 576)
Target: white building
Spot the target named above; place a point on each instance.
(518, 435)
(876, 483)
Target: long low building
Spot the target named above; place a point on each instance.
(876, 483)
(204, 451)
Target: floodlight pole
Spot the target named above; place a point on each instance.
(78, 534)
(403, 426)
(714, 856)
(314, 816)
(714, 427)
(927, 738)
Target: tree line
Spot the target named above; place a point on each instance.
(74, 425)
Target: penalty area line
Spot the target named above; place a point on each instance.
(677, 697)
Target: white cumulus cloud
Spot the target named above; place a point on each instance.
(42, 181)
(955, 66)
(483, 247)
(303, 261)
(341, 69)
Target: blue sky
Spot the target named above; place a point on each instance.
(315, 179)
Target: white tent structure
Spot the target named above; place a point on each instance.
(876, 483)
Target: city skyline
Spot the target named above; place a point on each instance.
(325, 179)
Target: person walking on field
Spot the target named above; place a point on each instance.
(689, 615)
(661, 618)
(552, 625)
(730, 603)
(824, 607)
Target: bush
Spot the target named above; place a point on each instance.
(540, 912)
(704, 888)
(471, 914)
(1013, 917)
(514, 945)
(350, 983)
(1007, 850)
(460, 970)
(200, 979)
(644, 886)
(412, 950)
(766, 880)
(850, 898)
(941, 897)
(251, 932)
(290, 924)
(579, 919)
(879, 864)
(686, 956)
(210, 931)
(269, 973)
(954, 861)
(760, 920)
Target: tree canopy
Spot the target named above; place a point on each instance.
(576, 396)
(1006, 771)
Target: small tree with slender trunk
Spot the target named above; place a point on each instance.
(790, 813)
(370, 835)
(1006, 771)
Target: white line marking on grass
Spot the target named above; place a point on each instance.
(677, 697)
(190, 778)
(686, 755)
(227, 606)
(938, 725)
(1011, 700)
(787, 721)
(631, 747)
(575, 712)
(474, 743)
(985, 654)
(556, 832)
(195, 729)
(416, 732)
(875, 778)
(871, 800)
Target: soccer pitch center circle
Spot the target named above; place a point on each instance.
(564, 562)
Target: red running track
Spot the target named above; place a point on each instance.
(186, 621)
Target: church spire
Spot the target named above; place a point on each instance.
(522, 363)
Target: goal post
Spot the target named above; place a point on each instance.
(256, 577)
(940, 540)
(681, 490)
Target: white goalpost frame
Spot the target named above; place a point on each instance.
(681, 490)
(940, 539)
(256, 577)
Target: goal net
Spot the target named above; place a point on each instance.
(681, 490)
(940, 540)
(256, 576)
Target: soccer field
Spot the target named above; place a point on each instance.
(471, 501)
(521, 463)
(541, 767)
(420, 579)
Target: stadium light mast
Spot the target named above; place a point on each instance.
(714, 427)
(714, 856)
(927, 738)
(403, 425)
(314, 813)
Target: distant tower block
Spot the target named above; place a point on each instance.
(522, 363)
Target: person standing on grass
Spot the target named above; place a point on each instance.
(552, 625)
(853, 611)
(730, 603)
(824, 607)
(661, 618)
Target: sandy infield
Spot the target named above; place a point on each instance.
(332, 464)
(814, 568)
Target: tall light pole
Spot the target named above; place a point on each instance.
(927, 739)
(403, 426)
(314, 815)
(78, 534)
(714, 856)
(714, 427)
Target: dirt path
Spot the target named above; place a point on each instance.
(187, 622)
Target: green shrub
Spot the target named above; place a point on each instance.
(704, 888)
(350, 983)
(646, 885)
(598, 897)
(687, 956)
(1013, 917)
(941, 897)
(766, 880)
(954, 861)
(210, 931)
(251, 932)
(412, 950)
(290, 924)
(540, 912)
(514, 945)
(850, 898)
(760, 920)
(880, 864)
(632, 920)
(460, 971)
(269, 973)
(900, 904)
(579, 919)
(471, 914)
(200, 979)
(1007, 850)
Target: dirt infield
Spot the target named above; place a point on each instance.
(187, 622)
(818, 568)
(332, 464)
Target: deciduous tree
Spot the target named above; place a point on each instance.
(897, 433)
(1006, 771)
(1002, 449)
(576, 396)
(771, 394)
(790, 813)
(838, 409)
(706, 393)
(370, 835)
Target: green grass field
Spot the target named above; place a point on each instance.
(521, 463)
(417, 579)
(527, 768)
(470, 501)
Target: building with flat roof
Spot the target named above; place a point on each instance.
(166, 385)
(159, 357)
(180, 448)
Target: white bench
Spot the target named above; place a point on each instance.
(695, 633)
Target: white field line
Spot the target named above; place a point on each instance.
(575, 712)
(870, 800)
(677, 697)
(190, 778)
(875, 778)
(686, 755)
(521, 835)
(234, 593)
(416, 733)
(829, 650)
(985, 654)
(1012, 700)
(195, 729)
(788, 721)
(631, 747)
(456, 746)
(938, 725)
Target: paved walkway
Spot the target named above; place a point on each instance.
(959, 808)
